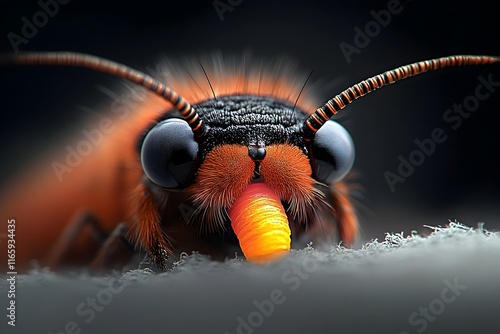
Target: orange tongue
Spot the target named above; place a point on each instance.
(260, 223)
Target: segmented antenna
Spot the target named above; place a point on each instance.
(119, 70)
(316, 120)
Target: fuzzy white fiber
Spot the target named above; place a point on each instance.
(445, 282)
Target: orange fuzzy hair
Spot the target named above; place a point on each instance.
(225, 173)
(287, 171)
(279, 78)
(228, 170)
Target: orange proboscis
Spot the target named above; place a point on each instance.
(261, 224)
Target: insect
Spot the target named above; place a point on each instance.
(257, 172)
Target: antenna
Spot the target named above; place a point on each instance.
(74, 59)
(316, 120)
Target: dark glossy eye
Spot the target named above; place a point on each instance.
(333, 153)
(169, 154)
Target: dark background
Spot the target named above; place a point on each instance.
(459, 181)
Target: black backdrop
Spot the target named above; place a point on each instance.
(459, 181)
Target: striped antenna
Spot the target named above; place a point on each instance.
(119, 70)
(316, 120)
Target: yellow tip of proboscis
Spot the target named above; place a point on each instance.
(260, 223)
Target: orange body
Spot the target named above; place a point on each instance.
(108, 182)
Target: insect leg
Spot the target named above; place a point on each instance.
(116, 251)
(148, 263)
(147, 230)
(72, 235)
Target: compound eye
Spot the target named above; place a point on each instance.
(169, 154)
(333, 153)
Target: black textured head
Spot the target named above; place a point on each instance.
(251, 121)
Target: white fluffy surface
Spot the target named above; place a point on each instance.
(375, 289)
